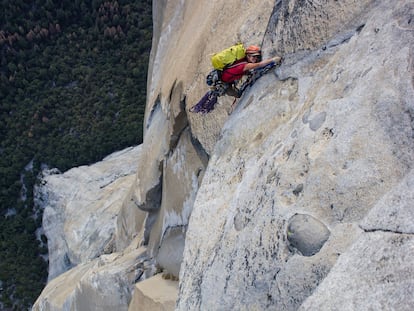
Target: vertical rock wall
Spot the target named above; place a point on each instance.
(301, 166)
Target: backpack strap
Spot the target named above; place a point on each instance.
(235, 64)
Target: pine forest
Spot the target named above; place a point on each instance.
(72, 90)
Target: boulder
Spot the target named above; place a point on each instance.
(154, 294)
(81, 208)
(105, 283)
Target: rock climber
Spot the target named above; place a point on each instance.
(238, 69)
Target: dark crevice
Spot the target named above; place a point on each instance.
(180, 124)
(153, 197)
(149, 222)
(385, 230)
(172, 91)
(155, 108)
(344, 38)
(273, 21)
(359, 28)
(201, 152)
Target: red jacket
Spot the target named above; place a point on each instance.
(234, 72)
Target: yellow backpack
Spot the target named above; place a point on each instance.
(228, 56)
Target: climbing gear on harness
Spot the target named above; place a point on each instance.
(209, 100)
(213, 77)
(206, 103)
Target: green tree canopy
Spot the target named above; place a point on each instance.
(72, 90)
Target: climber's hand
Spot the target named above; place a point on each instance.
(277, 60)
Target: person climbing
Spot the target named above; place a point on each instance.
(230, 65)
(242, 67)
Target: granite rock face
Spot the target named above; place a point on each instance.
(80, 209)
(327, 136)
(301, 198)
